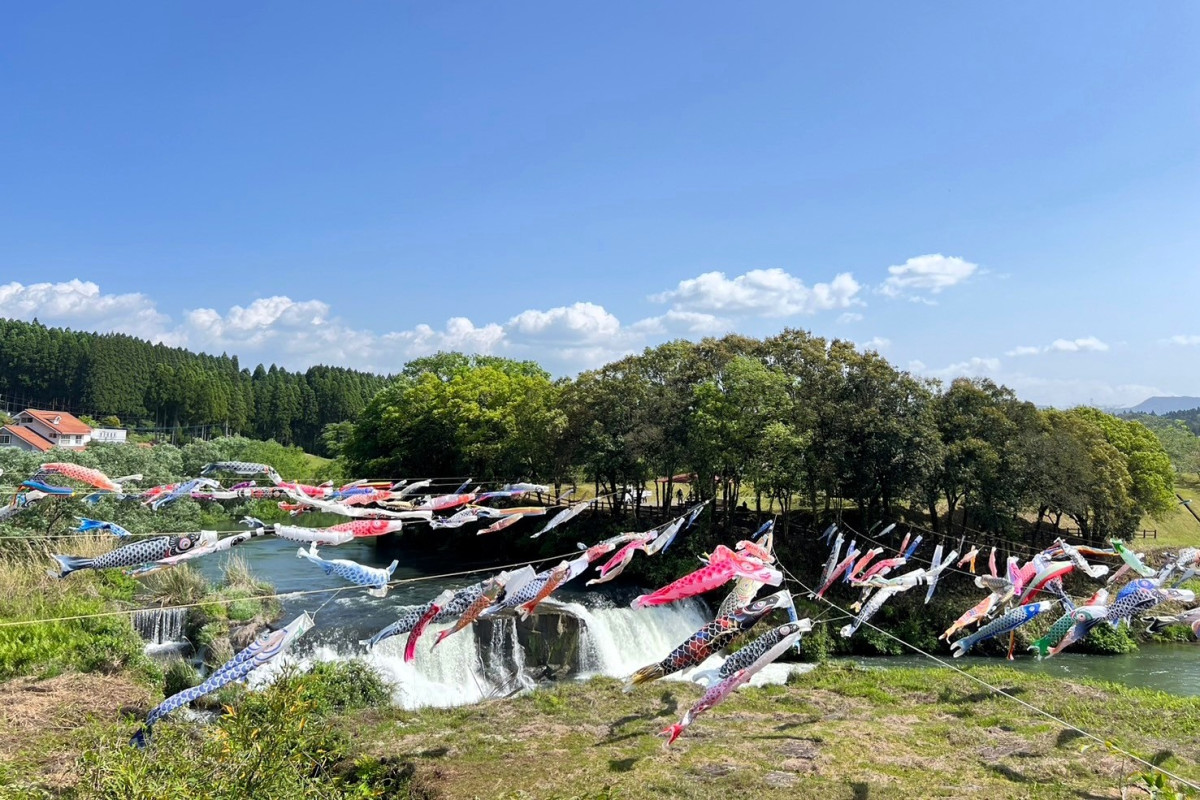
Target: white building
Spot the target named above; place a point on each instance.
(41, 430)
(109, 435)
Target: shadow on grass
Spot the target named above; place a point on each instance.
(668, 707)
(1011, 774)
(787, 726)
(1161, 757)
(979, 697)
(623, 764)
(861, 791)
(1066, 737)
(436, 752)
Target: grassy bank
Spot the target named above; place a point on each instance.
(838, 732)
(1177, 528)
(102, 643)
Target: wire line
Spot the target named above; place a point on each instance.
(279, 595)
(1000, 691)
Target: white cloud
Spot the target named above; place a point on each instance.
(761, 292)
(931, 273)
(569, 338)
(265, 319)
(581, 322)
(975, 367)
(1045, 391)
(1185, 340)
(1068, 392)
(1088, 344)
(849, 316)
(675, 323)
(79, 303)
(566, 339)
(459, 334)
(876, 343)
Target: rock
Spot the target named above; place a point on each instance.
(241, 635)
(779, 780)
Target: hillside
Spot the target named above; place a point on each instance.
(1165, 405)
(142, 383)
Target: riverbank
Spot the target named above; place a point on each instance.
(836, 732)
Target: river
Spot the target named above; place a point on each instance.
(1171, 668)
(596, 632)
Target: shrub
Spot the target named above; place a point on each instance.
(270, 744)
(177, 586)
(48, 645)
(345, 685)
(817, 644)
(1108, 641)
(179, 675)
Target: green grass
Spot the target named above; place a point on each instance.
(836, 732)
(104, 644)
(1178, 528)
(69, 737)
(832, 733)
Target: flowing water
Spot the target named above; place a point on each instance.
(582, 634)
(1171, 668)
(575, 635)
(160, 626)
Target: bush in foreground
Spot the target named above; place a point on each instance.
(273, 743)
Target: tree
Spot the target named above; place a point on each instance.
(1149, 467)
(730, 412)
(454, 415)
(980, 462)
(334, 437)
(1180, 443)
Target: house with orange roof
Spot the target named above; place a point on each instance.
(39, 431)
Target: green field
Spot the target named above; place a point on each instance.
(836, 732)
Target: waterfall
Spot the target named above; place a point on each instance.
(160, 626)
(457, 672)
(619, 641)
(502, 655)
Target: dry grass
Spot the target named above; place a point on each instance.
(48, 724)
(180, 585)
(26, 584)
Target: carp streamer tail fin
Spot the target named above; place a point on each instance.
(671, 732)
(69, 564)
(140, 739)
(646, 674)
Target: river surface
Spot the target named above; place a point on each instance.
(612, 639)
(1171, 668)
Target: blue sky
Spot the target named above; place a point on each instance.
(1009, 190)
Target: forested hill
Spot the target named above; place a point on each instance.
(152, 384)
(1166, 405)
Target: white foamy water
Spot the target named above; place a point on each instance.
(162, 630)
(488, 660)
(619, 641)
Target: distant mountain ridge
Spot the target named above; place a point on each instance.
(1165, 405)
